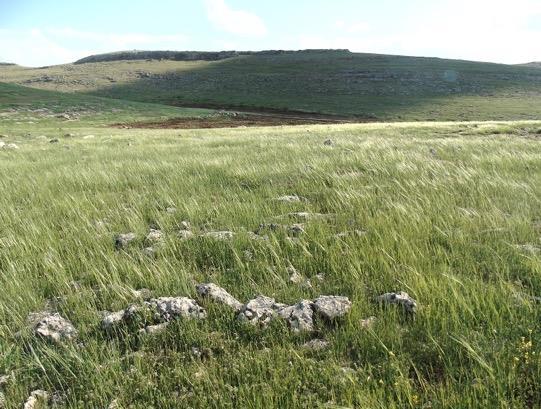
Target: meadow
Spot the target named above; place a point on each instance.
(448, 212)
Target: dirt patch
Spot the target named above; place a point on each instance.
(236, 120)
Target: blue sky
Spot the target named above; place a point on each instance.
(44, 32)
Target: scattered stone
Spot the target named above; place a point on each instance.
(3, 136)
(112, 319)
(291, 199)
(52, 327)
(69, 135)
(149, 252)
(154, 236)
(368, 322)
(306, 216)
(296, 229)
(218, 294)
(219, 235)
(332, 307)
(528, 248)
(259, 311)
(9, 146)
(316, 344)
(355, 233)
(36, 399)
(299, 316)
(257, 237)
(185, 225)
(3, 401)
(2, 144)
(400, 298)
(185, 234)
(123, 240)
(169, 308)
(154, 329)
(296, 278)
(64, 116)
(54, 140)
(171, 210)
(4, 380)
(320, 277)
(143, 294)
(88, 137)
(328, 142)
(114, 404)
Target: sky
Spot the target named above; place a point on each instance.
(47, 32)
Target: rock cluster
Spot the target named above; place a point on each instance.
(162, 311)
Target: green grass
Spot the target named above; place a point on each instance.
(27, 110)
(445, 207)
(389, 88)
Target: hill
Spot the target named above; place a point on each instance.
(332, 82)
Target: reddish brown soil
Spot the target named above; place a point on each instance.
(235, 120)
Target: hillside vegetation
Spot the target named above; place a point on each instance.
(366, 86)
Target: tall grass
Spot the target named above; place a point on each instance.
(447, 209)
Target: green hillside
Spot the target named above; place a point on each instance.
(367, 86)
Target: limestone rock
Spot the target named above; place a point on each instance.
(332, 307)
(123, 240)
(37, 398)
(219, 235)
(170, 308)
(316, 344)
(218, 294)
(52, 327)
(401, 298)
(299, 316)
(259, 311)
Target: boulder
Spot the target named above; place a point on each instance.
(332, 307)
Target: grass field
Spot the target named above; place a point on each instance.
(368, 86)
(449, 212)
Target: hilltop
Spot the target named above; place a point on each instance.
(330, 82)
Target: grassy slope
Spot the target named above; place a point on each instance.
(387, 87)
(442, 225)
(24, 110)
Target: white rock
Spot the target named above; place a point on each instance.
(299, 316)
(331, 306)
(259, 311)
(52, 327)
(219, 235)
(111, 319)
(316, 344)
(218, 294)
(123, 240)
(401, 298)
(36, 399)
(169, 308)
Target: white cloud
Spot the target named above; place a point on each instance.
(38, 47)
(481, 30)
(237, 22)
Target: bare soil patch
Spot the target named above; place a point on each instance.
(236, 120)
